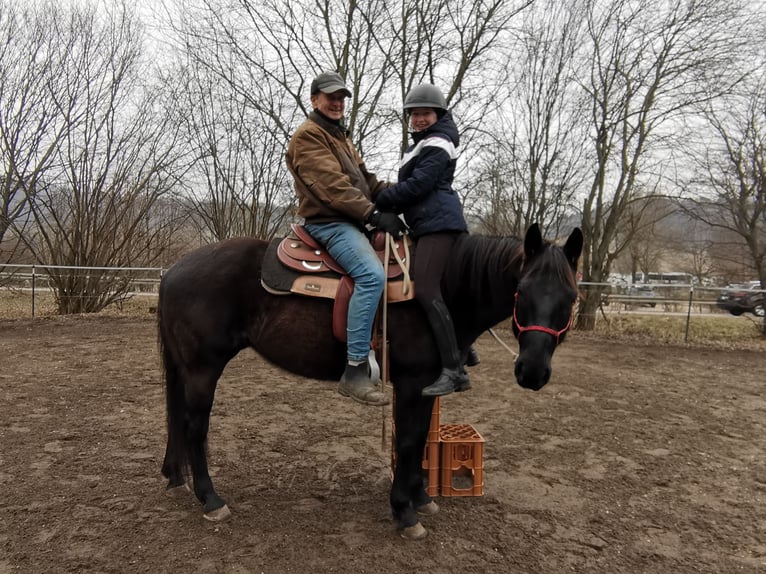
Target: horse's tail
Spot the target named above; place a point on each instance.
(176, 454)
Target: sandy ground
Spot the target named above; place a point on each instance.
(635, 458)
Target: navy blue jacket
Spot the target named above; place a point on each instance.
(424, 193)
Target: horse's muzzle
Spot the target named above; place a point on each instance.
(532, 375)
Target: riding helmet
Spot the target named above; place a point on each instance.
(425, 96)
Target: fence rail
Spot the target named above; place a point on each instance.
(35, 280)
(25, 290)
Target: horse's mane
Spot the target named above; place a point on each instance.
(484, 264)
(481, 263)
(553, 263)
(496, 252)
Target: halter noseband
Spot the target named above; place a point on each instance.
(548, 330)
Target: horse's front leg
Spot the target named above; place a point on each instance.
(408, 495)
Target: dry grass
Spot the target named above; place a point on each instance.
(16, 304)
(719, 330)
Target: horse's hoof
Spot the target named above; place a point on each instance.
(428, 509)
(416, 532)
(218, 515)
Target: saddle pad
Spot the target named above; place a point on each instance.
(277, 278)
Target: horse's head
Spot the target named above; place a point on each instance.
(544, 304)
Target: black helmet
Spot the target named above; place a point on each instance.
(425, 96)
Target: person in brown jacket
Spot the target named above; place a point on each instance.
(335, 197)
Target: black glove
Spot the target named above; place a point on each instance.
(388, 222)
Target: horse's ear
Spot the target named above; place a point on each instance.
(533, 241)
(573, 247)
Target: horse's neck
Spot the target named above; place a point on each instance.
(482, 279)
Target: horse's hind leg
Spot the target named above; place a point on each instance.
(172, 469)
(200, 391)
(174, 463)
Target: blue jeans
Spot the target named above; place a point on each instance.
(352, 250)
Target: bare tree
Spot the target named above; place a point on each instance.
(730, 193)
(267, 52)
(641, 234)
(689, 240)
(448, 43)
(117, 157)
(31, 123)
(247, 70)
(650, 63)
(237, 182)
(532, 165)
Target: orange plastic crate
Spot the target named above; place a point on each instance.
(431, 468)
(462, 465)
(433, 428)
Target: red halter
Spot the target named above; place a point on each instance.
(548, 330)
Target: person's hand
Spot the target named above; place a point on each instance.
(388, 222)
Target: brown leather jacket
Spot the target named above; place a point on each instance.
(331, 179)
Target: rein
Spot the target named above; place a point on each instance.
(547, 330)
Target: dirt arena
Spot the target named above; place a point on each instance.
(634, 459)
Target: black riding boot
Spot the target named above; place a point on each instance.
(452, 377)
(473, 357)
(357, 384)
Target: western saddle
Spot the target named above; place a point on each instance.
(305, 268)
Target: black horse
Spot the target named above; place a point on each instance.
(212, 305)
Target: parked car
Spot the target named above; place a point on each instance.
(742, 298)
(644, 293)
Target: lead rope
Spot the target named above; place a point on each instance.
(407, 285)
(404, 264)
(384, 343)
(499, 340)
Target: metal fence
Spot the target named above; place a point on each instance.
(25, 291)
(661, 297)
(681, 304)
(32, 283)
